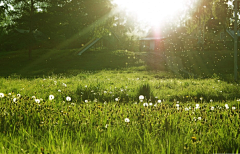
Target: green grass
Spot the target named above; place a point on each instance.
(79, 126)
(104, 87)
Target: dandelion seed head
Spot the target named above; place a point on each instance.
(141, 97)
(51, 97)
(68, 99)
(1, 95)
(126, 120)
(145, 104)
(37, 101)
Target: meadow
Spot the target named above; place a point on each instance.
(116, 104)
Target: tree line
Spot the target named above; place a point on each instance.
(31, 24)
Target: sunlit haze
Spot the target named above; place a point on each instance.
(153, 12)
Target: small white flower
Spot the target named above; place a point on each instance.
(177, 105)
(37, 101)
(51, 97)
(18, 95)
(233, 108)
(155, 105)
(186, 109)
(86, 101)
(141, 97)
(95, 100)
(159, 101)
(106, 126)
(68, 99)
(212, 108)
(177, 102)
(178, 108)
(116, 99)
(135, 103)
(1, 95)
(150, 104)
(64, 85)
(211, 100)
(85, 86)
(9, 94)
(201, 98)
(33, 97)
(199, 118)
(145, 104)
(72, 104)
(126, 120)
(59, 90)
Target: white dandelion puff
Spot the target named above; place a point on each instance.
(226, 106)
(141, 97)
(1, 95)
(126, 120)
(14, 100)
(51, 97)
(145, 104)
(37, 101)
(68, 99)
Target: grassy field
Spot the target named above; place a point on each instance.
(118, 102)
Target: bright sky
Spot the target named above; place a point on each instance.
(153, 12)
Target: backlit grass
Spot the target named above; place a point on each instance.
(181, 115)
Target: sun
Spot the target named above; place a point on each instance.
(153, 12)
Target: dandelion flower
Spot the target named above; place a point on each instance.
(68, 99)
(51, 97)
(141, 97)
(145, 104)
(1, 95)
(14, 100)
(126, 120)
(226, 105)
(37, 101)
